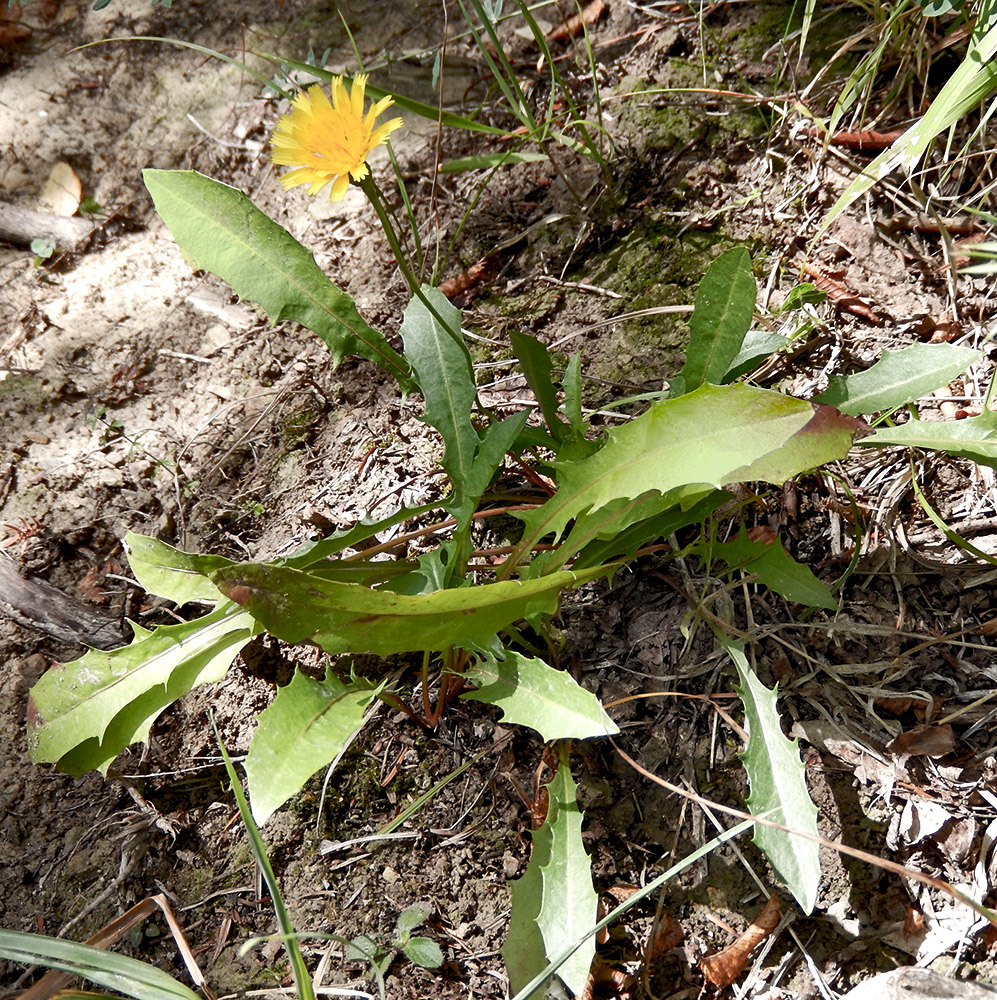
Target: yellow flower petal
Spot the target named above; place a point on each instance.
(330, 140)
(339, 186)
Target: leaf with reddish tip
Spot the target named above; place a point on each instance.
(296, 605)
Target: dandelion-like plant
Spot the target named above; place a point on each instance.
(330, 141)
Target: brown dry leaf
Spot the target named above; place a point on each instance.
(621, 893)
(725, 966)
(840, 294)
(924, 741)
(667, 933)
(762, 533)
(961, 257)
(48, 9)
(895, 706)
(913, 922)
(10, 31)
(62, 192)
(605, 981)
(478, 272)
(91, 586)
(573, 26)
(863, 142)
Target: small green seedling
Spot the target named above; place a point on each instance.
(422, 950)
(90, 207)
(42, 248)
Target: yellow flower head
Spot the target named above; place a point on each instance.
(330, 142)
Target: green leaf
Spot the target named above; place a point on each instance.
(117, 972)
(411, 917)
(169, 572)
(485, 161)
(340, 617)
(571, 385)
(778, 786)
(725, 302)
(308, 724)
(431, 112)
(569, 904)
(827, 436)
(532, 693)
(363, 948)
(535, 363)
(974, 438)
(443, 372)
(497, 438)
(523, 952)
(81, 715)
(554, 902)
(220, 230)
(626, 541)
(442, 367)
(313, 552)
(681, 447)
(756, 346)
(423, 951)
(776, 569)
(806, 292)
(899, 377)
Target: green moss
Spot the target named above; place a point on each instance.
(653, 265)
(754, 37)
(769, 22)
(298, 426)
(33, 391)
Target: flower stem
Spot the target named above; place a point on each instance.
(369, 187)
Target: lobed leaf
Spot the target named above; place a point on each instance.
(778, 786)
(296, 605)
(524, 953)
(81, 715)
(169, 572)
(827, 436)
(532, 693)
(683, 447)
(220, 230)
(554, 902)
(569, 904)
(306, 727)
(313, 552)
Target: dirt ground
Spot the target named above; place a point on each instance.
(137, 394)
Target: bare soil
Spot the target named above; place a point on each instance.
(136, 394)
